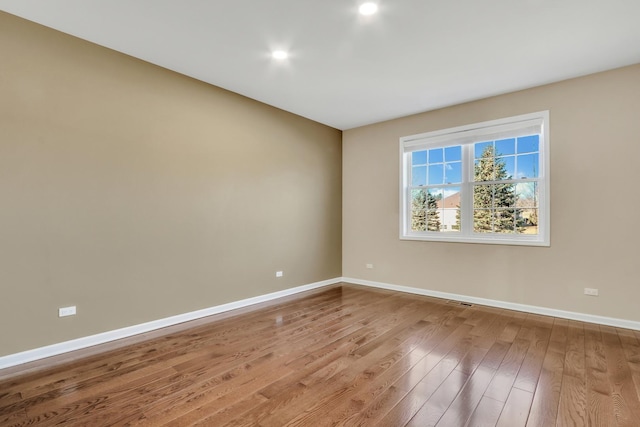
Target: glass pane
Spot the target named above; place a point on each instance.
(482, 221)
(436, 155)
(435, 195)
(417, 194)
(506, 167)
(483, 196)
(529, 221)
(453, 172)
(418, 210)
(505, 146)
(528, 166)
(504, 221)
(452, 154)
(433, 205)
(418, 176)
(419, 157)
(527, 193)
(450, 213)
(484, 169)
(479, 148)
(436, 174)
(504, 195)
(528, 144)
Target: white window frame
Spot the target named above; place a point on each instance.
(533, 123)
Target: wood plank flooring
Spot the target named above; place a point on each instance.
(342, 356)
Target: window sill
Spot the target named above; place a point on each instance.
(483, 240)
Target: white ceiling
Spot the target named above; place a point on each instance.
(346, 70)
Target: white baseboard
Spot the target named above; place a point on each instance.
(105, 337)
(602, 320)
(84, 342)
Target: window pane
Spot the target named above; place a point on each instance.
(504, 221)
(482, 221)
(450, 210)
(480, 148)
(484, 169)
(504, 195)
(527, 193)
(528, 144)
(453, 172)
(506, 167)
(527, 204)
(433, 203)
(436, 174)
(418, 210)
(528, 166)
(417, 194)
(452, 154)
(529, 221)
(436, 194)
(418, 176)
(483, 196)
(436, 155)
(419, 157)
(505, 146)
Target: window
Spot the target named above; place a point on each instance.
(482, 183)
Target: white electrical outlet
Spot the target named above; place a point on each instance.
(67, 311)
(279, 273)
(369, 265)
(591, 291)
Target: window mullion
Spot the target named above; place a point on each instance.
(466, 208)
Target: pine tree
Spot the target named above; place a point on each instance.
(419, 212)
(494, 204)
(424, 212)
(433, 223)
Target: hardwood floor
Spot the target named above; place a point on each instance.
(346, 356)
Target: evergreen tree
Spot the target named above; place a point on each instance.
(433, 222)
(419, 212)
(495, 204)
(424, 212)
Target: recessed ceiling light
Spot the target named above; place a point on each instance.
(368, 9)
(279, 54)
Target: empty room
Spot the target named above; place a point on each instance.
(340, 213)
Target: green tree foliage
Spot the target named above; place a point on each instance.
(424, 212)
(433, 217)
(419, 211)
(494, 204)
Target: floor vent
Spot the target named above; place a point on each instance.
(465, 304)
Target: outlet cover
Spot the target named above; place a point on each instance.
(279, 273)
(67, 311)
(591, 292)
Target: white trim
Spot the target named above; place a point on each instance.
(589, 318)
(89, 341)
(80, 343)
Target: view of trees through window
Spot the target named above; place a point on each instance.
(504, 186)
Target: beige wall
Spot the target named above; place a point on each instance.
(136, 193)
(595, 204)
